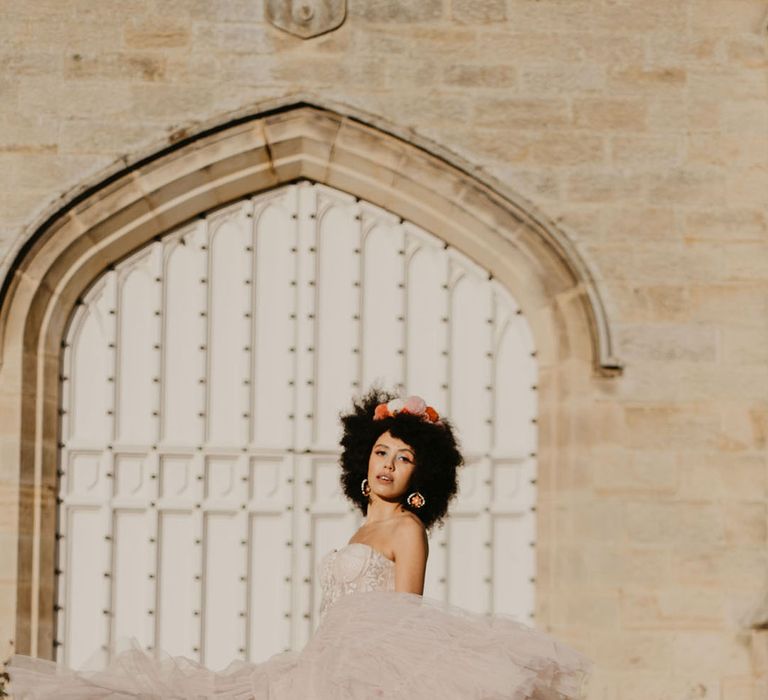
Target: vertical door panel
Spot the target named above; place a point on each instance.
(426, 348)
(175, 604)
(183, 359)
(135, 364)
(337, 346)
(274, 326)
(228, 332)
(129, 574)
(383, 307)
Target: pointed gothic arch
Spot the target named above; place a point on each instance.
(140, 200)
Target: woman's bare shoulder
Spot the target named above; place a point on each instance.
(409, 530)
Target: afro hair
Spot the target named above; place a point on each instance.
(437, 455)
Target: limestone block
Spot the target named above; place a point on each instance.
(681, 116)
(670, 50)
(759, 640)
(512, 113)
(659, 82)
(689, 186)
(746, 523)
(170, 102)
(157, 33)
(638, 651)
(649, 472)
(450, 43)
(480, 76)
(668, 342)
(700, 564)
(60, 35)
(721, 16)
(601, 521)
(21, 205)
(647, 152)
(398, 11)
(564, 149)
(436, 109)
(229, 10)
(715, 476)
(746, 262)
(76, 99)
(88, 136)
(747, 51)
(241, 39)
(9, 494)
(736, 225)
(41, 172)
(727, 82)
(690, 609)
(725, 303)
(559, 79)
(114, 66)
(591, 610)
(471, 11)
(325, 70)
(694, 650)
(573, 16)
(611, 114)
(744, 425)
(723, 149)
(651, 566)
(538, 184)
(744, 116)
(650, 302)
(746, 186)
(652, 17)
(632, 222)
(746, 346)
(606, 186)
(673, 521)
(26, 64)
(695, 685)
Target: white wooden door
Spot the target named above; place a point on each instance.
(201, 384)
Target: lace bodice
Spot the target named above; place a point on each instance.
(354, 568)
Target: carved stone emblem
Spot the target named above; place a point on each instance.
(306, 18)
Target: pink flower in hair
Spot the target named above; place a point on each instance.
(415, 405)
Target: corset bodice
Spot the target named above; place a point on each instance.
(354, 568)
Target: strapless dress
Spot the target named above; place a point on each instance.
(372, 642)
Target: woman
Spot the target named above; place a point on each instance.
(399, 466)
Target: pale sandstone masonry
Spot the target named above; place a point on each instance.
(640, 127)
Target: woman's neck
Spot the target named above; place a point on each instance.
(379, 510)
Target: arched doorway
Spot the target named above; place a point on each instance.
(103, 224)
(202, 380)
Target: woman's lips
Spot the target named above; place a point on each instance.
(386, 479)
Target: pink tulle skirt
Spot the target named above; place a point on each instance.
(370, 645)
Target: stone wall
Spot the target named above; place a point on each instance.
(641, 128)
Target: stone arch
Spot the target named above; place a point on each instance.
(143, 198)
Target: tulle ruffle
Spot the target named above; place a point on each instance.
(381, 645)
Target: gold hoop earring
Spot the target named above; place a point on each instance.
(365, 487)
(416, 500)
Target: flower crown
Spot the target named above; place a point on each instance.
(414, 405)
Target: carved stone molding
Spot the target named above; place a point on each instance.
(307, 18)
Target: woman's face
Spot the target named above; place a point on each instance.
(390, 467)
